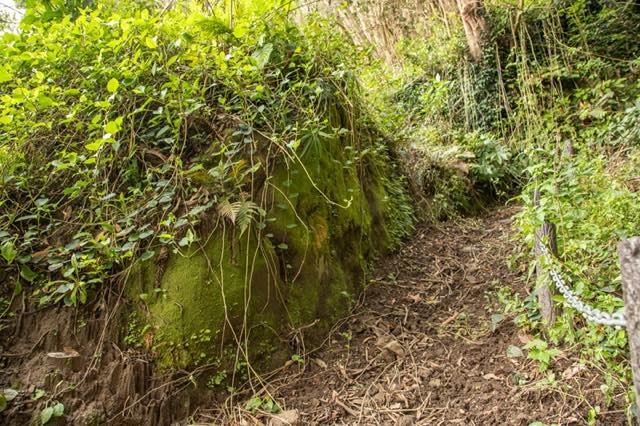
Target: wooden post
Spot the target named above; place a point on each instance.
(544, 292)
(629, 251)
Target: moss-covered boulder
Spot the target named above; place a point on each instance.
(223, 174)
(291, 274)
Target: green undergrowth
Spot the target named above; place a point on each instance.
(442, 108)
(552, 74)
(219, 173)
(584, 96)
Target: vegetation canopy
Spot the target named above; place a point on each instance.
(124, 127)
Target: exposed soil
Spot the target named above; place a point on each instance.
(64, 355)
(422, 348)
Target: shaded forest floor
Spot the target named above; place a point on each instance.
(428, 345)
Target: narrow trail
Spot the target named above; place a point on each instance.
(427, 347)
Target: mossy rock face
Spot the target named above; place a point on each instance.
(327, 215)
(203, 299)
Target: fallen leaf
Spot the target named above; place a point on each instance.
(395, 347)
(525, 338)
(285, 418)
(490, 376)
(514, 351)
(148, 340)
(320, 363)
(473, 280)
(573, 370)
(416, 298)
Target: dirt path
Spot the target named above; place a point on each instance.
(423, 348)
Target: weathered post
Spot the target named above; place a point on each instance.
(629, 251)
(547, 232)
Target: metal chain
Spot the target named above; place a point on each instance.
(590, 313)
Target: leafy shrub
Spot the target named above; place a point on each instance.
(123, 127)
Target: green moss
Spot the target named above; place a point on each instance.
(205, 296)
(327, 216)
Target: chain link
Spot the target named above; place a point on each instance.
(590, 313)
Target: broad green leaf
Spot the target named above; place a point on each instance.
(45, 415)
(150, 42)
(45, 101)
(58, 409)
(27, 273)
(8, 251)
(253, 404)
(262, 55)
(147, 255)
(5, 74)
(113, 85)
(95, 146)
(172, 60)
(496, 319)
(113, 126)
(514, 352)
(10, 394)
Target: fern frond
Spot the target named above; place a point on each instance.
(228, 210)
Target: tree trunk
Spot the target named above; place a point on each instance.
(475, 26)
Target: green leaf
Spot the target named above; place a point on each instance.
(113, 85)
(8, 251)
(270, 406)
(3, 403)
(95, 146)
(113, 126)
(5, 74)
(496, 319)
(41, 202)
(147, 255)
(58, 409)
(45, 415)
(253, 404)
(262, 55)
(150, 42)
(27, 273)
(45, 101)
(9, 394)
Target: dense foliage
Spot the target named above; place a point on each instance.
(114, 138)
(553, 105)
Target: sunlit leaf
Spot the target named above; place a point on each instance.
(113, 85)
